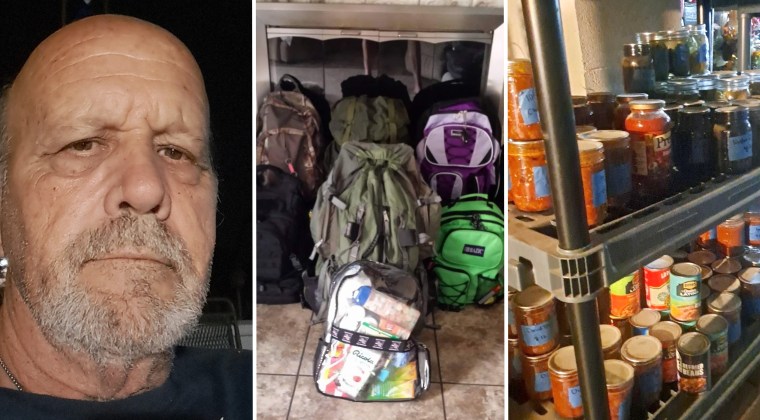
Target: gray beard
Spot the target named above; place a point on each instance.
(116, 328)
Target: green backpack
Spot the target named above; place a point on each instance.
(373, 206)
(470, 252)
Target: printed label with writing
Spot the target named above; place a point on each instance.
(599, 188)
(526, 100)
(619, 179)
(740, 147)
(719, 343)
(687, 289)
(639, 146)
(474, 250)
(684, 298)
(574, 395)
(541, 181)
(754, 233)
(542, 382)
(539, 334)
(660, 143)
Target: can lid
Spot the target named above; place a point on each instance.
(617, 372)
(645, 318)
(726, 266)
(711, 324)
(702, 257)
(706, 272)
(562, 361)
(610, 335)
(724, 283)
(643, 104)
(693, 344)
(704, 291)
(533, 297)
(724, 302)
(750, 275)
(641, 349)
(686, 269)
(586, 146)
(666, 331)
(663, 262)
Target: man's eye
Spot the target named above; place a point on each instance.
(174, 153)
(82, 145)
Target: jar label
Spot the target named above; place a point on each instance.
(684, 297)
(639, 157)
(740, 147)
(526, 100)
(599, 188)
(702, 53)
(661, 142)
(574, 395)
(539, 334)
(540, 181)
(754, 233)
(619, 179)
(542, 382)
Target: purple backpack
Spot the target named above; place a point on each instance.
(458, 151)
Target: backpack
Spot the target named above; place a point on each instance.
(290, 137)
(469, 259)
(281, 251)
(373, 206)
(315, 96)
(367, 352)
(437, 93)
(458, 152)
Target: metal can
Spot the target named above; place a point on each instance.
(620, 376)
(624, 326)
(536, 375)
(566, 388)
(612, 339)
(686, 326)
(644, 320)
(729, 306)
(656, 283)
(685, 279)
(715, 327)
(704, 293)
(668, 333)
(512, 329)
(706, 273)
(538, 332)
(624, 296)
(751, 258)
(726, 266)
(644, 353)
(720, 283)
(750, 293)
(703, 257)
(693, 356)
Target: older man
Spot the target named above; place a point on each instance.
(107, 219)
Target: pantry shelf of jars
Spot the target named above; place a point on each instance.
(636, 213)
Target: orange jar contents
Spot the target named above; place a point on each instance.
(594, 181)
(617, 164)
(523, 122)
(650, 127)
(528, 175)
(731, 236)
(566, 388)
(752, 219)
(619, 375)
(536, 320)
(535, 371)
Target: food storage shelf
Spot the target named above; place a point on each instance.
(623, 245)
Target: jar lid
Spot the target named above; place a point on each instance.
(693, 344)
(563, 362)
(590, 146)
(722, 74)
(708, 76)
(717, 104)
(666, 331)
(648, 36)
(610, 335)
(636, 50)
(726, 266)
(705, 84)
(645, 318)
(601, 97)
(529, 147)
(704, 257)
(733, 83)
(729, 112)
(641, 349)
(675, 34)
(751, 104)
(663, 262)
(617, 373)
(694, 110)
(628, 97)
(607, 137)
(533, 297)
(647, 104)
(724, 302)
(711, 324)
(579, 100)
(750, 275)
(724, 283)
(541, 357)
(683, 84)
(675, 107)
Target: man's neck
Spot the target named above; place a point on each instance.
(41, 368)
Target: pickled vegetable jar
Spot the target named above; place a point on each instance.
(537, 320)
(638, 68)
(623, 109)
(732, 88)
(678, 52)
(528, 175)
(699, 47)
(523, 122)
(693, 147)
(617, 164)
(733, 136)
(650, 130)
(566, 388)
(658, 51)
(594, 181)
(535, 372)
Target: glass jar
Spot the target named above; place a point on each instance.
(693, 152)
(729, 306)
(753, 105)
(538, 331)
(684, 90)
(650, 130)
(619, 376)
(731, 236)
(528, 175)
(594, 181)
(566, 388)
(725, 74)
(622, 109)
(617, 164)
(706, 87)
(644, 353)
(659, 52)
(672, 111)
(638, 68)
(752, 220)
(668, 333)
(580, 130)
(732, 88)
(754, 80)
(535, 372)
(582, 111)
(678, 52)
(698, 49)
(612, 340)
(523, 122)
(715, 327)
(733, 136)
(603, 109)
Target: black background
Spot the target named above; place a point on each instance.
(218, 33)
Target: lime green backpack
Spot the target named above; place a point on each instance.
(470, 252)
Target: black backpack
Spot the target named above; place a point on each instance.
(282, 236)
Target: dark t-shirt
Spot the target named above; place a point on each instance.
(203, 384)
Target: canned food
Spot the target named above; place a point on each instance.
(538, 332)
(668, 333)
(624, 296)
(750, 293)
(624, 326)
(644, 320)
(704, 294)
(512, 330)
(684, 291)
(679, 255)
(726, 266)
(644, 353)
(612, 339)
(720, 283)
(706, 273)
(729, 306)
(715, 327)
(536, 375)
(693, 355)
(703, 257)
(619, 375)
(656, 283)
(686, 326)
(566, 389)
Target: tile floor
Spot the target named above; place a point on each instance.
(467, 369)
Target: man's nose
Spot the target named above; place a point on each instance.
(140, 187)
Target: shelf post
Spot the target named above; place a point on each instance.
(547, 51)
